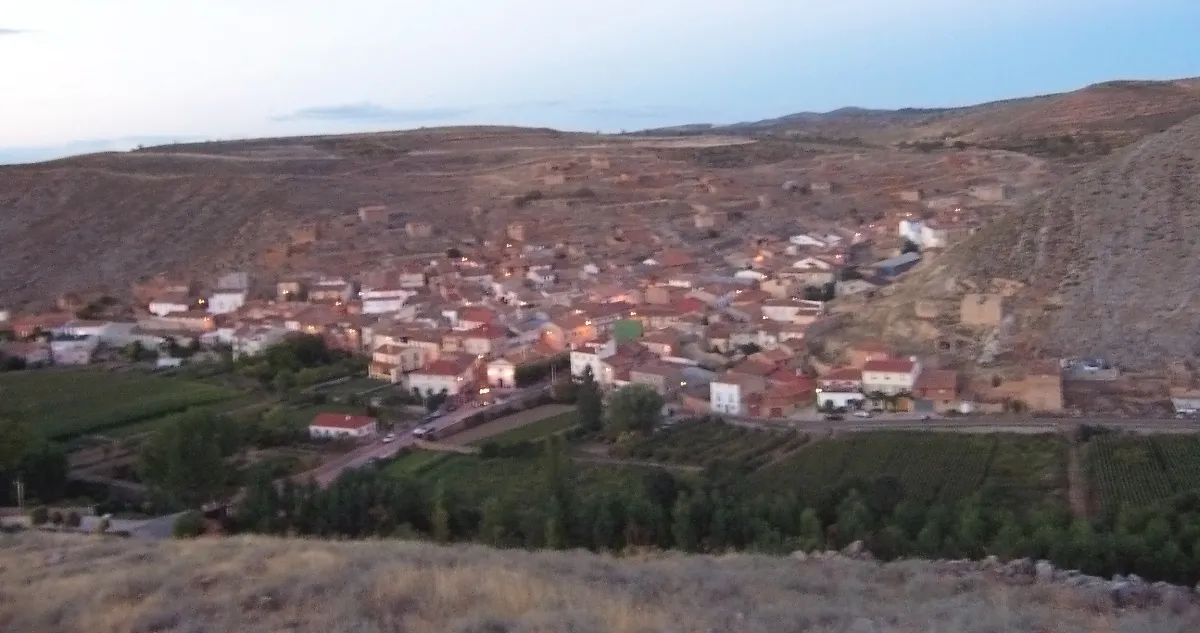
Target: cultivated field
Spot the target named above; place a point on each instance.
(703, 442)
(1017, 470)
(1142, 470)
(531, 424)
(65, 404)
(258, 585)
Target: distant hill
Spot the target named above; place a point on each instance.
(1113, 113)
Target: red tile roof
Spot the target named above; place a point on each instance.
(937, 380)
(341, 421)
(843, 374)
(890, 365)
(449, 366)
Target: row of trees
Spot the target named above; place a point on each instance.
(26, 456)
(632, 409)
(299, 361)
(721, 511)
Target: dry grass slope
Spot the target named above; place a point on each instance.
(89, 585)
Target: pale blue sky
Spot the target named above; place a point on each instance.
(80, 75)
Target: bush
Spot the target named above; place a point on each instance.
(189, 525)
(39, 515)
(56, 518)
(73, 519)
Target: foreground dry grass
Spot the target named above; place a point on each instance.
(72, 584)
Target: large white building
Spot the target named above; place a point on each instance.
(226, 301)
(591, 355)
(923, 234)
(890, 376)
(384, 300)
(727, 393)
(452, 374)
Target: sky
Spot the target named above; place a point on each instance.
(88, 75)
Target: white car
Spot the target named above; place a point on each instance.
(862, 414)
(388, 438)
(420, 431)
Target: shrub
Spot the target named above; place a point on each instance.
(39, 515)
(73, 519)
(189, 525)
(56, 517)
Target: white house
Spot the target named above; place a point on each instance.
(163, 307)
(251, 340)
(226, 301)
(502, 373)
(590, 355)
(451, 373)
(111, 332)
(807, 240)
(541, 275)
(923, 234)
(73, 351)
(796, 311)
(891, 376)
(5, 316)
(340, 425)
(749, 274)
(727, 393)
(384, 300)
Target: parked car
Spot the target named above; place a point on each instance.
(862, 414)
(835, 417)
(389, 438)
(420, 431)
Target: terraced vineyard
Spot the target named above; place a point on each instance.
(931, 467)
(1138, 471)
(703, 442)
(64, 404)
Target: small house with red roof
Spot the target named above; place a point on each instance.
(342, 426)
(452, 374)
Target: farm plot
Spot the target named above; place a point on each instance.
(930, 467)
(703, 442)
(1138, 471)
(66, 404)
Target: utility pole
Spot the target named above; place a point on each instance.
(20, 496)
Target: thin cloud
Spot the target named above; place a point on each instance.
(371, 112)
(4, 31)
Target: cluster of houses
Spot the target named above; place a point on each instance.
(720, 332)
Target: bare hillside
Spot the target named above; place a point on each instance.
(1109, 260)
(95, 585)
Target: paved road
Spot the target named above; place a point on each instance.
(329, 471)
(982, 423)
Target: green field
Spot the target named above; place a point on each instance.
(66, 404)
(702, 442)
(1138, 471)
(1016, 470)
(534, 431)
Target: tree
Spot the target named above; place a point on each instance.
(635, 408)
(284, 380)
(810, 530)
(39, 515)
(73, 520)
(589, 402)
(453, 253)
(56, 518)
(439, 518)
(190, 524)
(185, 460)
(909, 247)
(683, 524)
